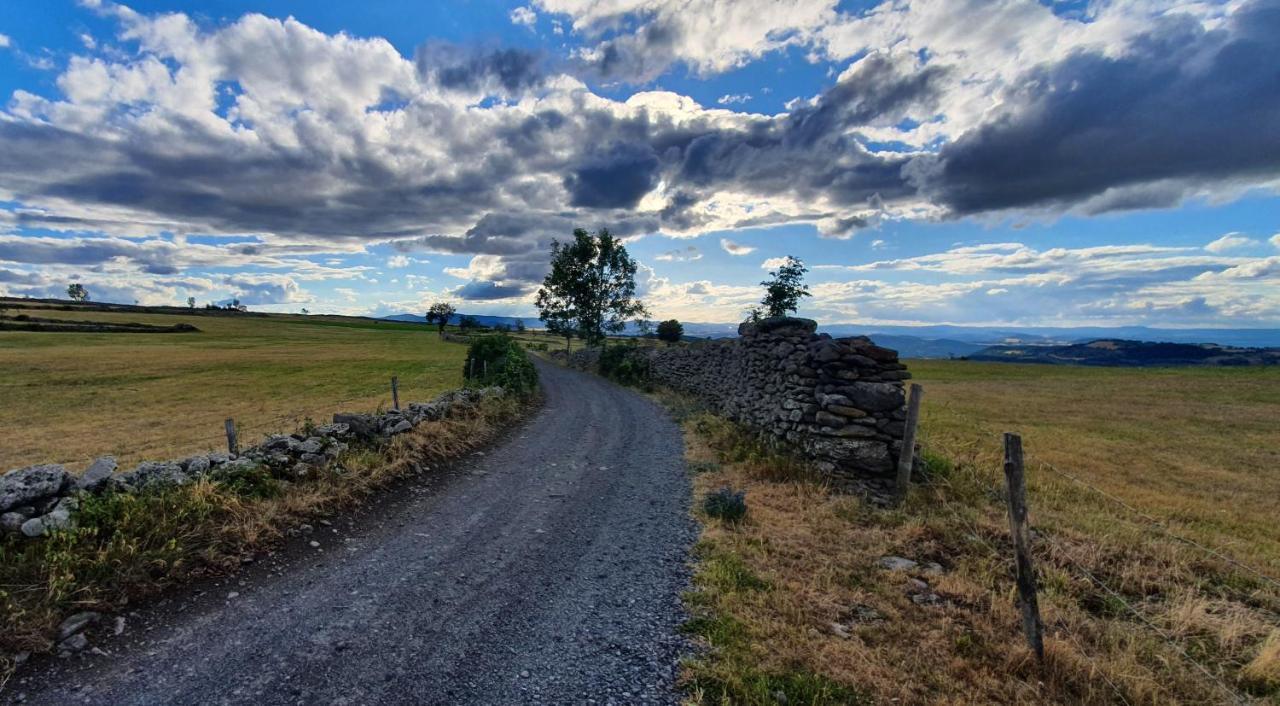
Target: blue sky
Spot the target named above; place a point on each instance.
(1036, 164)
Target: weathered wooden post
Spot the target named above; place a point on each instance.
(395, 392)
(469, 361)
(907, 458)
(1016, 484)
(233, 446)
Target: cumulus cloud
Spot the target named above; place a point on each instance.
(1230, 241)
(524, 16)
(5, 42)
(735, 248)
(732, 98)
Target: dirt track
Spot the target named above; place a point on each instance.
(547, 570)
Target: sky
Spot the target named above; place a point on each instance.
(984, 162)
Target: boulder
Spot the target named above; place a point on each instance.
(361, 426)
(27, 485)
(312, 445)
(33, 527)
(400, 427)
(875, 396)
(77, 623)
(11, 522)
(196, 465)
(151, 473)
(98, 475)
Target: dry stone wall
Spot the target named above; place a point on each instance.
(839, 401)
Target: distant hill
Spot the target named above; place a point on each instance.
(1124, 353)
(481, 319)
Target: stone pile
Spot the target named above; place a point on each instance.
(839, 401)
(38, 499)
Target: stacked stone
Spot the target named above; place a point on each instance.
(839, 401)
(39, 499)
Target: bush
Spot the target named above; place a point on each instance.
(725, 504)
(500, 360)
(625, 365)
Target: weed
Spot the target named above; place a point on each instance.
(725, 504)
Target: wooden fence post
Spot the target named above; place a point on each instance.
(906, 459)
(395, 392)
(1016, 484)
(233, 446)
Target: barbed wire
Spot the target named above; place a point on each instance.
(1169, 639)
(1160, 525)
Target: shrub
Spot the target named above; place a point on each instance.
(500, 360)
(625, 365)
(725, 504)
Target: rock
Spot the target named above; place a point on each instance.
(60, 517)
(150, 473)
(828, 419)
(314, 544)
(77, 623)
(27, 485)
(196, 465)
(336, 429)
(233, 468)
(11, 522)
(98, 476)
(311, 446)
(217, 458)
(282, 443)
(896, 563)
(400, 427)
(846, 411)
(875, 396)
(359, 425)
(309, 459)
(75, 643)
(33, 527)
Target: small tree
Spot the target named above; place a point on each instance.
(591, 288)
(440, 313)
(520, 325)
(670, 331)
(785, 288)
(305, 311)
(468, 322)
(77, 292)
(191, 302)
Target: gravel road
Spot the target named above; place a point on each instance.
(547, 570)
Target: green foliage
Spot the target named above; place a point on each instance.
(77, 292)
(500, 360)
(440, 313)
(468, 322)
(725, 504)
(670, 331)
(591, 288)
(254, 483)
(626, 365)
(785, 288)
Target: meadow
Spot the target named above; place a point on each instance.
(1158, 563)
(69, 397)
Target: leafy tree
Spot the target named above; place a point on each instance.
(520, 325)
(77, 292)
(468, 322)
(785, 288)
(440, 313)
(191, 302)
(670, 331)
(305, 311)
(591, 289)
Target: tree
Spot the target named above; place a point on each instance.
(305, 311)
(520, 325)
(468, 322)
(785, 288)
(191, 302)
(670, 331)
(440, 313)
(77, 292)
(591, 289)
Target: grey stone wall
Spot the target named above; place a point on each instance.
(838, 401)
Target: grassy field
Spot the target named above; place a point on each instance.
(793, 600)
(71, 396)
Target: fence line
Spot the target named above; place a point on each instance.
(1158, 524)
(1235, 696)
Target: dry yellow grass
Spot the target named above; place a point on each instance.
(792, 600)
(71, 396)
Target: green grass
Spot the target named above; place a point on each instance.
(72, 396)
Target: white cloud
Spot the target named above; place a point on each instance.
(5, 42)
(1230, 241)
(397, 261)
(1275, 240)
(687, 254)
(524, 16)
(731, 98)
(773, 263)
(877, 244)
(735, 248)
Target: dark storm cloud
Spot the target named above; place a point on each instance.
(1183, 103)
(617, 178)
(476, 70)
(486, 291)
